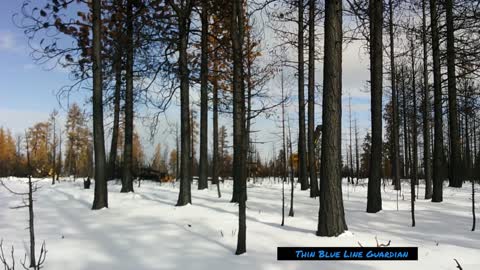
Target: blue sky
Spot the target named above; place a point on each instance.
(28, 91)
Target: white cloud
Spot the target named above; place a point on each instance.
(28, 67)
(7, 41)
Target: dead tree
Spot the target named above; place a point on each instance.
(302, 149)
(239, 130)
(455, 178)
(291, 213)
(284, 157)
(473, 205)
(426, 109)
(127, 176)
(438, 151)
(396, 144)
(9, 264)
(100, 199)
(203, 166)
(331, 217)
(414, 177)
(314, 192)
(374, 197)
(27, 202)
(357, 154)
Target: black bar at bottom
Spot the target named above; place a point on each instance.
(347, 253)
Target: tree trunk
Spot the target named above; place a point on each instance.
(406, 138)
(314, 192)
(249, 107)
(414, 135)
(438, 152)
(396, 140)
(112, 160)
(426, 109)
(59, 163)
(350, 171)
(357, 154)
(31, 225)
(473, 205)
(100, 199)
(239, 131)
(468, 159)
(284, 157)
(184, 196)
(127, 177)
(374, 198)
(331, 217)
(455, 179)
(203, 166)
(177, 163)
(474, 156)
(54, 146)
(302, 149)
(215, 158)
(291, 213)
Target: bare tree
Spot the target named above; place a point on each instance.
(331, 217)
(414, 177)
(314, 192)
(117, 66)
(455, 179)
(426, 109)
(291, 213)
(284, 147)
(302, 149)
(239, 131)
(203, 168)
(127, 177)
(438, 153)
(396, 143)
(357, 154)
(374, 198)
(27, 203)
(54, 144)
(100, 199)
(182, 12)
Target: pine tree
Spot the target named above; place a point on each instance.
(331, 217)
(77, 141)
(438, 152)
(374, 198)
(100, 199)
(314, 192)
(302, 150)
(455, 168)
(203, 166)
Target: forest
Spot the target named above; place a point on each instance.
(261, 120)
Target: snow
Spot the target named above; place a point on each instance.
(144, 230)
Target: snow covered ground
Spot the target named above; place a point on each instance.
(144, 230)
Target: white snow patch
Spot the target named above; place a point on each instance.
(145, 230)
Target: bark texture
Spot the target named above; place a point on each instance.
(314, 192)
(127, 177)
(302, 149)
(438, 152)
(331, 217)
(203, 166)
(374, 199)
(100, 199)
